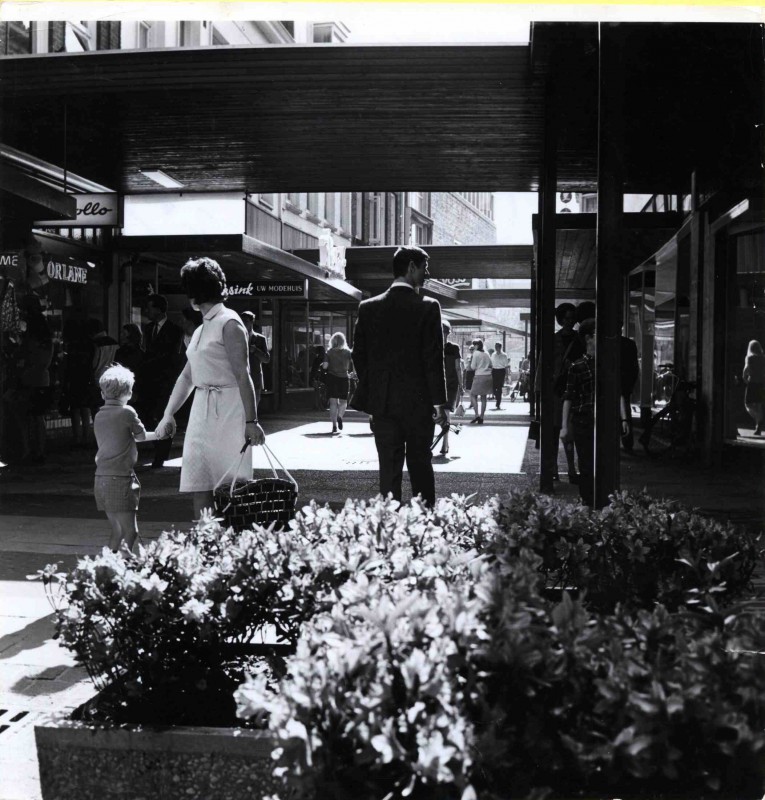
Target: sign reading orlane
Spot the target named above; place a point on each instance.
(284, 289)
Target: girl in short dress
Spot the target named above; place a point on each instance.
(339, 366)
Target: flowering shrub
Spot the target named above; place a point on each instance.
(374, 703)
(637, 551)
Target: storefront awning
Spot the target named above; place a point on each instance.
(242, 259)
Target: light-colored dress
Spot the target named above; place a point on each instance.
(215, 433)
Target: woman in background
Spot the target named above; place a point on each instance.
(130, 352)
(77, 384)
(36, 355)
(339, 366)
(754, 377)
(482, 387)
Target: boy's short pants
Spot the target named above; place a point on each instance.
(117, 492)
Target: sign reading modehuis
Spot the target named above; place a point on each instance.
(283, 289)
(93, 211)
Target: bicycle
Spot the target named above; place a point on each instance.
(677, 419)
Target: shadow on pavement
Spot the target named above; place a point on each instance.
(28, 638)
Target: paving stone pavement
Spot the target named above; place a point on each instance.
(47, 514)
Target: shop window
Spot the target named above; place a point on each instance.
(16, 38)
(345, 211)
(329, 208)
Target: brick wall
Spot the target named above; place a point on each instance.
(454, 219)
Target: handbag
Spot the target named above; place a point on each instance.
(258, 501)
(459, 411)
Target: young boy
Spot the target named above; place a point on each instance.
(117, 429)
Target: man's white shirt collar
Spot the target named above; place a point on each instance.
(402, 283)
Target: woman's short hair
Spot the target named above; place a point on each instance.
(562, 310)
(404, 255)
(478, 343)
(203, 280)
(117, 381)
(755, 348)
(338, 340)
(134, 334)
(587, 327)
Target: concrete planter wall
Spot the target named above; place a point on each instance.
(83, 762)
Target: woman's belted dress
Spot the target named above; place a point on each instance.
(215, 433)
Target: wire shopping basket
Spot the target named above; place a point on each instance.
(258, 501)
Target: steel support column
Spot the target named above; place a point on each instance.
(546, 286)
(608, 280)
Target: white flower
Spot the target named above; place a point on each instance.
(196, 610)
(153, 586)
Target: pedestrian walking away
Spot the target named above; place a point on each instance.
(453, 373)
(339, 368)
(257, 346)
(117, 429)
(398, 352)
(480, 363)
(163, 342)
(223, 413)
(499, 364)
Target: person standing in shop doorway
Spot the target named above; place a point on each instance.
(499, 363)
(398, 352)
(163, 342)
(259, 355)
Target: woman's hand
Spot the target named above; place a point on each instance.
(166, 428)
(254, 434)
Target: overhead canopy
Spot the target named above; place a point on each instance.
(370, 267)
(243, 259)
(405, 117)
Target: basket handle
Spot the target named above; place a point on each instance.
(237, 465)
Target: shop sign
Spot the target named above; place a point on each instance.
(93, 211)
(271, 289)
(455, 283)
(64, 271)
(9, 258)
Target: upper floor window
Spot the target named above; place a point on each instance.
(313, 203)
(79, 37)
(420, 201)
(142, 38)
(267, 199)
(188, 34)
(217, 37)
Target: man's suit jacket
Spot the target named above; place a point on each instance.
(164, 358)
(258, 342)
(629, 366)
(398, 353)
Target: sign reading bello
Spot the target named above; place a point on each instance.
(93, 211)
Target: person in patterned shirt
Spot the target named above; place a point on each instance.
(579, 412)
(578, 423)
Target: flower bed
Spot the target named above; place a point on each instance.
(429, 660)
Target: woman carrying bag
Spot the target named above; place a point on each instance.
(223, 413)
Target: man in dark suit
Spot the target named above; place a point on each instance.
(259, 355)
(398, 352)
(163, 341)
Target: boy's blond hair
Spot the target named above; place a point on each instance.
(117, 381)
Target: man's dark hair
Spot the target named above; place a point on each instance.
(159, 301)
(203, 280)
(404, 255)
(562, 310)
(587, 327)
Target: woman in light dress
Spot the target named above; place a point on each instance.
(223, 413)
(754, 377)
(482, 386)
